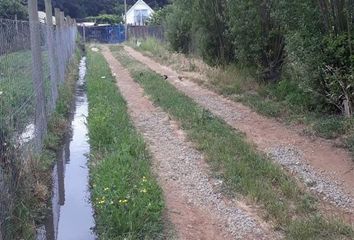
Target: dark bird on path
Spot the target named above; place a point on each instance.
(180, 78)
(165, 77)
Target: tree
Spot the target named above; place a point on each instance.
(179, 26)
(258, 36)
(85, 8)
(213, 33)
(159, 17)
(10, 8)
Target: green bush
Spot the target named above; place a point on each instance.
(179, 27)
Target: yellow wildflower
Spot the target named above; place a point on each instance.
(123, 201)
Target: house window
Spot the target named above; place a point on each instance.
(140, 16)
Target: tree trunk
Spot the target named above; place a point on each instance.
(325, 15)
(273, 44)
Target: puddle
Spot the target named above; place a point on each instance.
(71, 216)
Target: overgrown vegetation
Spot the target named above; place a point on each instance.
(127, 200)
(241, 167)
(32, 190)
(306, 45)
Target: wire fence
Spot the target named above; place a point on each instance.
(116, 33)
(34, 56)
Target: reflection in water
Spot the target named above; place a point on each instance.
(71, 217)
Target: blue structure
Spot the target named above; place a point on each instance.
(105, 34)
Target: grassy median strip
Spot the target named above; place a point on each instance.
(242, 168)
(127, 200)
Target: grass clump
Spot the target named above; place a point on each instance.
(150, 45)
(127, 200)
(243, 169)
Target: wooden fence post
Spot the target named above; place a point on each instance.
(16, 23)
(51, 53)
(59, 53)
(84, 32)
(63, 40)
(37, 74)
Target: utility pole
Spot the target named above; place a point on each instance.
(125, 20)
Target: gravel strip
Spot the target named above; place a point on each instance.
(292, 160)
(180, 165)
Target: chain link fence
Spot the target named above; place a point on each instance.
(34, 56)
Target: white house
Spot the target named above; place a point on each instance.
(42, 17)
(139, 13)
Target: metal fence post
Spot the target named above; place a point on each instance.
(51, 53)
(84, 32)
(37, 74)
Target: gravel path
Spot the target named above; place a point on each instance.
(196, 209)
(327, 170)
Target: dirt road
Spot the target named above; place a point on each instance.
(325, 169)
(194, 206)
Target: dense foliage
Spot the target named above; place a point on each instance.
(159, 16)
(85, 8)
(10, 8)
(309, 43)
(106, 19)
(74, 8)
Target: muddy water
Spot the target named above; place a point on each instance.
(71, 217)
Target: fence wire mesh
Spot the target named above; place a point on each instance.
(29, 86)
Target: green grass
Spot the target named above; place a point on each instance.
(244, 170)
(127, 200)
(33, 186)
(150, 45)
(17, 99)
